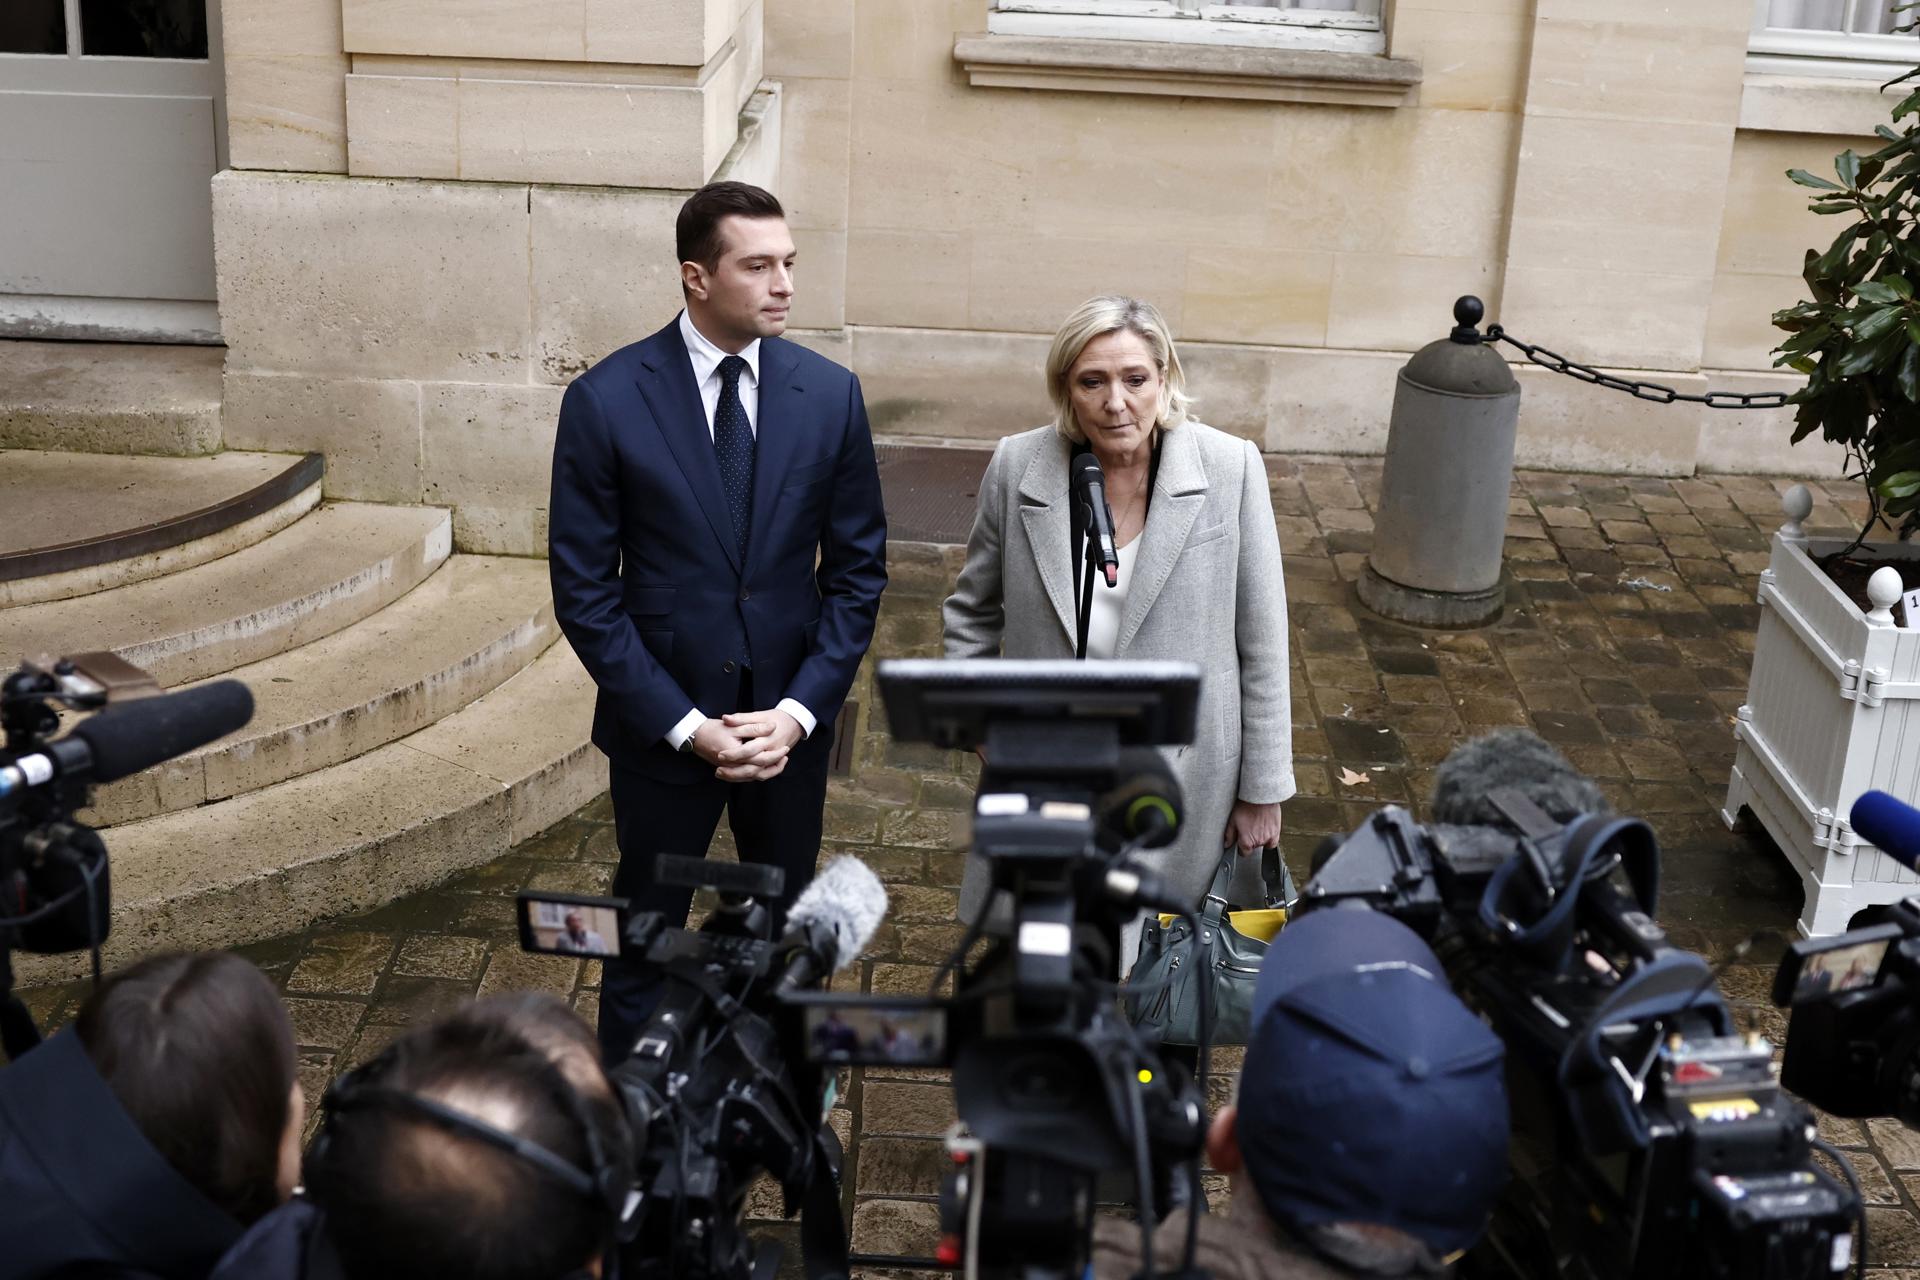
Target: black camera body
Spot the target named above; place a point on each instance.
(1056, 1091)
(1649, 1138)
(715, 1090)
(1853, 1040)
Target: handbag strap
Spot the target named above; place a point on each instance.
(1215, 903)
(1273, 877)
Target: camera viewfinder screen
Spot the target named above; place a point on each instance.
(914, 1036)
(1825, 973)
(571, 929)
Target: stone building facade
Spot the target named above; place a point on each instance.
(437, 212)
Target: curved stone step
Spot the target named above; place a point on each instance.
(327, 571)
(80, 522)
(359, 834)
(473, 624)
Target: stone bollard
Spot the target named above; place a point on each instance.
(1443, 502)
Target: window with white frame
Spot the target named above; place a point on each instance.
(1855, 38)
(1351, 26)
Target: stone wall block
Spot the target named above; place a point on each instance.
(656, 32)
(1330, 401)
(1760, 441)
(404, 126)
(810, 38)
(1473, 56)
(366, 278)
(820, 276)
(368, 430)
(1249, 293)
(979, 386)
(815, 160)
(1026, 283)
(1397, 302)
(915, 279)
(604, 274)
(286, 105)
(487, 451)
(1621, 318)
(1567, 425)
(605, 134)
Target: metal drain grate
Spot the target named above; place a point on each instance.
(930, 492)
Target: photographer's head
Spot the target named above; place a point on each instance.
(488, 1146)
(198, 1049)
(1372, 1117)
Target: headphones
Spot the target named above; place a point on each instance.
(607, 1180)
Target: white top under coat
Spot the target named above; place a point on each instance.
(1110, 605)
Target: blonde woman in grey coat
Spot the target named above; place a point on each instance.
(1200, 578)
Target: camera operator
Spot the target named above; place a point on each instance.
(487, 1146)
(142, 1140)
(1370, 1136)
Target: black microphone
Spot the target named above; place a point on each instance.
(1090, 488)
(1147, 805)
(132, 736)
(1510, 758)
(830, 923)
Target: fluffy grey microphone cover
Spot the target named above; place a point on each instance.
(849, 899)
(1516, 758)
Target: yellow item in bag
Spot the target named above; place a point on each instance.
(1259, 925)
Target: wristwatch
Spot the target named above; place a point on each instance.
(686, 743)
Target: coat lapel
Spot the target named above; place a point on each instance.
(1179, 492)
(1044, 509)
(666, 383)
(777, 430)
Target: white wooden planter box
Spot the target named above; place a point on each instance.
(1832, 710)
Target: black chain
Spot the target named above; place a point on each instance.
(1641, 390)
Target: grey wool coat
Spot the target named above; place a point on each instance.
(1207, 588)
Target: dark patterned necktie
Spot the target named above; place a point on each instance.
(733, 444)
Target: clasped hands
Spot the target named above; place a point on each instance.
(747, 746)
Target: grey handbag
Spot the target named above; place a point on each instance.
(1163, 995)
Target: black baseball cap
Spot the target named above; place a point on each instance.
(1370, 1094)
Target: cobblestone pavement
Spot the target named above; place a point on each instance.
(1626, 641)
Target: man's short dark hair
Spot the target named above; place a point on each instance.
(404, 1196)
(198, 1049)
(697, 235)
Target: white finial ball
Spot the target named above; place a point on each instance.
(1884, 587)
(1797, 503)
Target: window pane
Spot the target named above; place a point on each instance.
(143, 28)
(1341, 6)
(33, 26)
(1870, 17)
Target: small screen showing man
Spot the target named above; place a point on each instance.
(1826, 973)
(909, 1036)
(573, 929)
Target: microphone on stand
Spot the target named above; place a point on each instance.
(1090, 490)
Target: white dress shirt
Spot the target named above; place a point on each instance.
(1110, 605)
(706, 360)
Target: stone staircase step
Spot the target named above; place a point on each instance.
(84, 522)
(327, 571)
(355, 835)
(476, 622)
(110, 397)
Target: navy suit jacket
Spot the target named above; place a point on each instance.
(647, 582)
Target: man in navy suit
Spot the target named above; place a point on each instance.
(718, 548)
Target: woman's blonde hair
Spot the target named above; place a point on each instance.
(1112, 313)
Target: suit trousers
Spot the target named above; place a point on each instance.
(776, 822)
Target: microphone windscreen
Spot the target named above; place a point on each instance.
(1517, 758)
(1086, 466)
(1147, 801)
(846, 899)
(137, 735)
(1890, 825)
